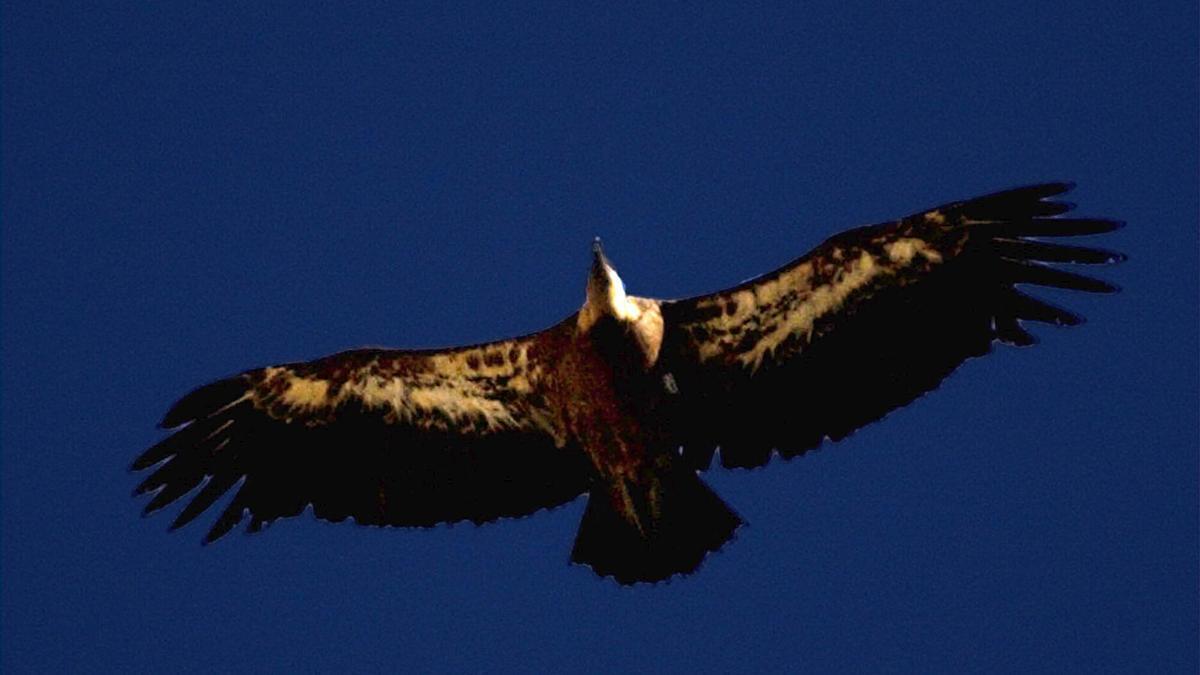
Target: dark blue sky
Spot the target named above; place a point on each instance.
(189, 192)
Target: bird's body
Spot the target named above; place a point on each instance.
(628, 398)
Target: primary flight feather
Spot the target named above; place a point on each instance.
(629, 397)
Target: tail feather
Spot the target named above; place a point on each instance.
(694, 522)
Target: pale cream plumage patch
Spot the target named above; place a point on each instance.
(448, 394)
(789, 304)
(303, 392)
(489, 361)
(902, 251)
(746, 303)
(818, 302)
(459, 403)
(453, 389)
(648, 328)
(751, 307)
(380, 392)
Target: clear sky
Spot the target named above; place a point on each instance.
(192, 190)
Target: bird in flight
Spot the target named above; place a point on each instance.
(629, 398)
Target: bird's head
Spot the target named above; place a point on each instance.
(605, 292)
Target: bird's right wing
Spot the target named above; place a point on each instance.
(387, 437)
(865, 323)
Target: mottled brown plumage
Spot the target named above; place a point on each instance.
(629, 397)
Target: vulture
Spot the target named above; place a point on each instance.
(628, 399)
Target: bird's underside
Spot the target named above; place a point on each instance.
(630, 397)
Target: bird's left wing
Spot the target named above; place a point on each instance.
(865, 323)
(386, 437)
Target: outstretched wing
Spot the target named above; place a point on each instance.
(867, 322)
(387, 437)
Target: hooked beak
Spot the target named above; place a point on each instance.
(599, 261)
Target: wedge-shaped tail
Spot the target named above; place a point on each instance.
(693, 522)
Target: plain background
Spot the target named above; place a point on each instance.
(190, 191)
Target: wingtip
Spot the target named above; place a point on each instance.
(175, 417)
(150, 484)
(204, 401)
(183, 518)
(1072, 320)
(1043, 190)
(1022, 340)
(1053, 188)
